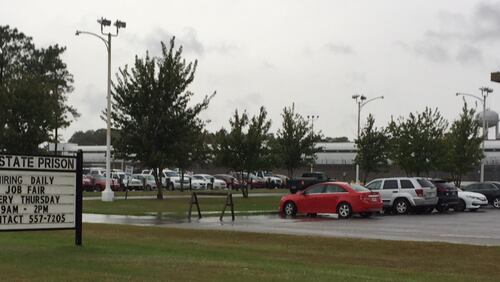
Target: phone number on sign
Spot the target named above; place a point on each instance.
(47, 218)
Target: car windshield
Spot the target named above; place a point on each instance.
(359, 188)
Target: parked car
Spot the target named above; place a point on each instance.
(490, 189)
(271, 180)
(231, 181)
(96, 171)
(150, 182)
(140, 182)
(212, 182)
(402, 193)
(308, 178)
(197, 182)
(447, 195)
(284, 180)
(249, 179)
(174, 180)
(100, 183)
(470, 200)
(332, 197)
(87, 183)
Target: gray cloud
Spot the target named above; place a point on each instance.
(461, 36)
(469, 54)
(339, 48)
(486, 22)
(356, 76)
(267, 65)
(432, 52)
(223, 49)
(251, 102)
(188, 39)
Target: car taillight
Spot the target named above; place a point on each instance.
(302, 182)
(420, 192)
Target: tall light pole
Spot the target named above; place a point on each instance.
(312, 118)
(361, 101)
(484, 94)
(107, 195)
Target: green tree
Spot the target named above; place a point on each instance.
(463, 145)
(294, 141)
(230, 146)
(152, 109)
(34, 83)
(192, 149)
(246, 147)
(335, 139)
(372, 149)
(93, 137)
(416, 144)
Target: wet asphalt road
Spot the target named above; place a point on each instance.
(478, 228)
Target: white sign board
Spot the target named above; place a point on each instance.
(37, 192)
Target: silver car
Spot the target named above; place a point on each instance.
(402, 193)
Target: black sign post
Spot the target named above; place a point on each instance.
(41, 193)
(79, 198)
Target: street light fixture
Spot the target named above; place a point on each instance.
(361, 101)
(107, 195)
(312, 118)
(484, 94)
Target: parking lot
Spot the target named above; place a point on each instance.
(478, 228)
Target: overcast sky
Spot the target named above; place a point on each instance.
(316, 54)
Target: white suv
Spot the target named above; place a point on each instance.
(402, 193)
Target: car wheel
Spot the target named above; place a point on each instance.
(366, 214)
(460, 207)
(344, 210)
(290, 209)
(312, 214)
(401, 206)
(496, 202)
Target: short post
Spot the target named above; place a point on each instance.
(194, 201)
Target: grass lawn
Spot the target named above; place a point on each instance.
(120, 253)
(179, 193)
(178, 206)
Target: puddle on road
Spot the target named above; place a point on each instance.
(162, 219)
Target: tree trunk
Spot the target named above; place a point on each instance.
(55, 142)
(159, 194)
(182, 180)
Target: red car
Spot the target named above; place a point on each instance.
(100, 183)
(341, 198)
